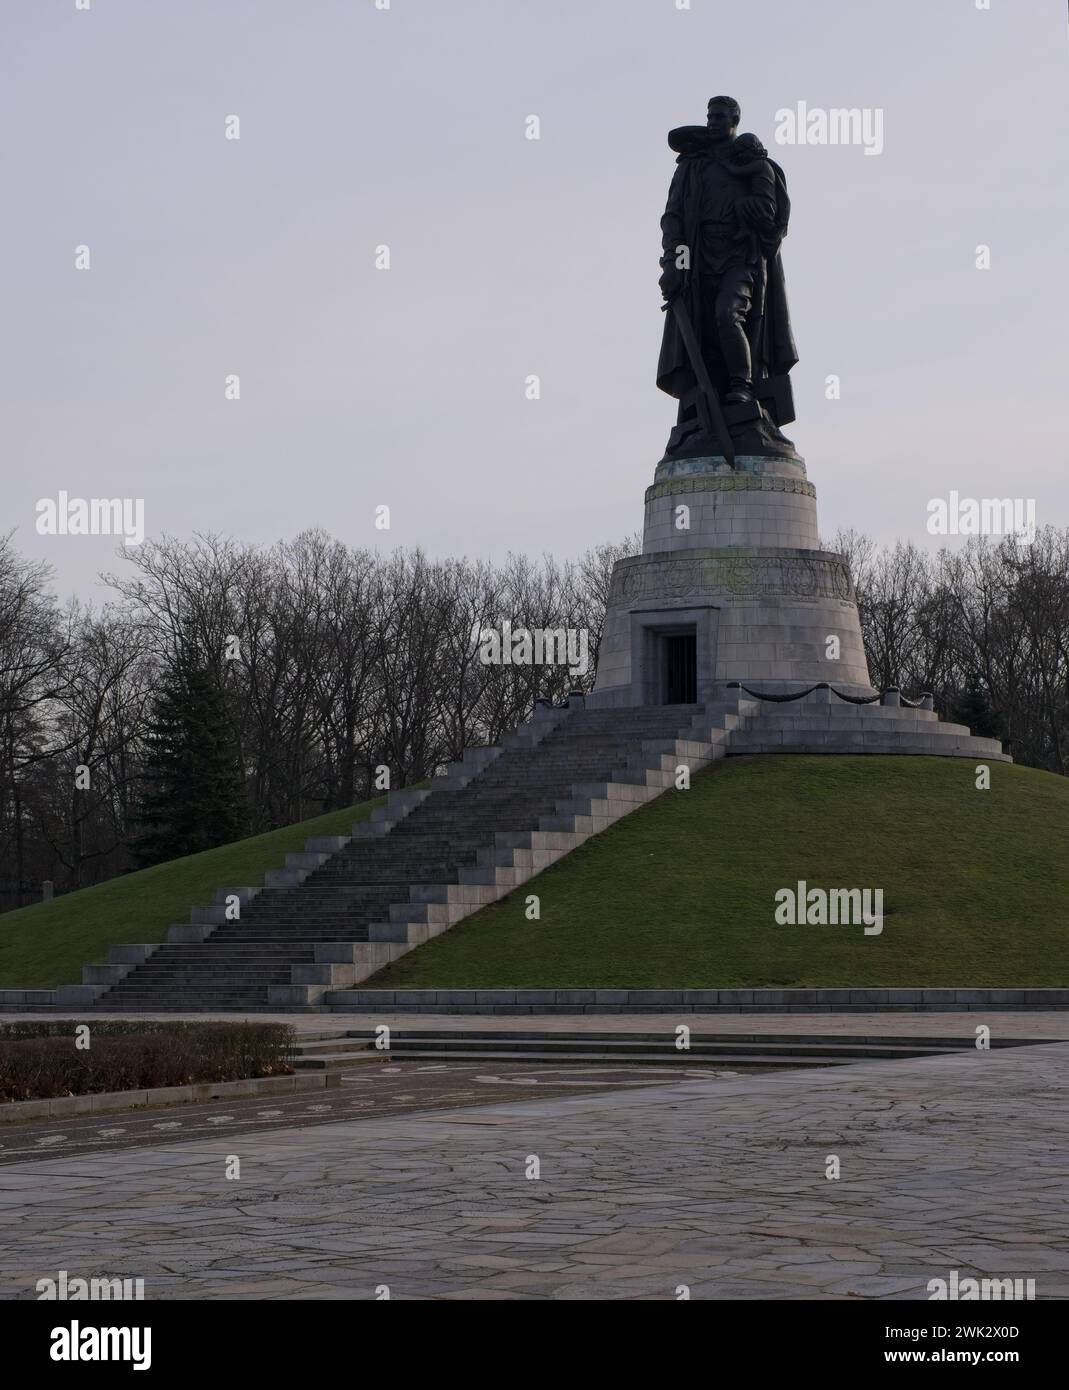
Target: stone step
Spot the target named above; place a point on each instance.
(476, 1042)
(811, 741)
(335, 1046)
(332, 1061)
(191, 1006)
(184, 998)
(838, 710)
(223, 971)
(533, 1033)
(505, 1054)
(255, 950)
(818, 723)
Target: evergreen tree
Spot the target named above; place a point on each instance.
(975, 710)
(194, 796)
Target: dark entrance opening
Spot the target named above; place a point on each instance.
(681, 669)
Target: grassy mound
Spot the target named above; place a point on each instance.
(48, 943)
(682, 893)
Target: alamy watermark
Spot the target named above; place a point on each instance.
(802, 906)
(954, 1287)
(983, 516)
(65, 1288)
(842, 125)
(92, 516)
(537, 646)
(78, 1343)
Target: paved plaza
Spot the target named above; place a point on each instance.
(717, 1184)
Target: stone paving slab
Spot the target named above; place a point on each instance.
(954, 1162)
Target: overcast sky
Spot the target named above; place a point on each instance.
(406, 127)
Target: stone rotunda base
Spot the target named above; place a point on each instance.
(731, 563)
(734, 607)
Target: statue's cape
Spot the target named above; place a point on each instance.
(771, 337)
(689, 139)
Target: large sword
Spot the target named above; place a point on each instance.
(708, 402)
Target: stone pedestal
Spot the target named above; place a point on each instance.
(732, 558)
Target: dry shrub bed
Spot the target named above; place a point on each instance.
(41, 1060)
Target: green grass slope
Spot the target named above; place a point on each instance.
(48, 943)
(681, 894)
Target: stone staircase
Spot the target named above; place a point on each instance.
(346, 906)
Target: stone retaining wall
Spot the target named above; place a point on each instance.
(616, 1001)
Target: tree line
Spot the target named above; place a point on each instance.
(308, 667)
(277, 683)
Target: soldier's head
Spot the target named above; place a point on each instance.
(723, 118)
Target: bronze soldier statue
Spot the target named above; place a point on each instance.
(722, 279)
